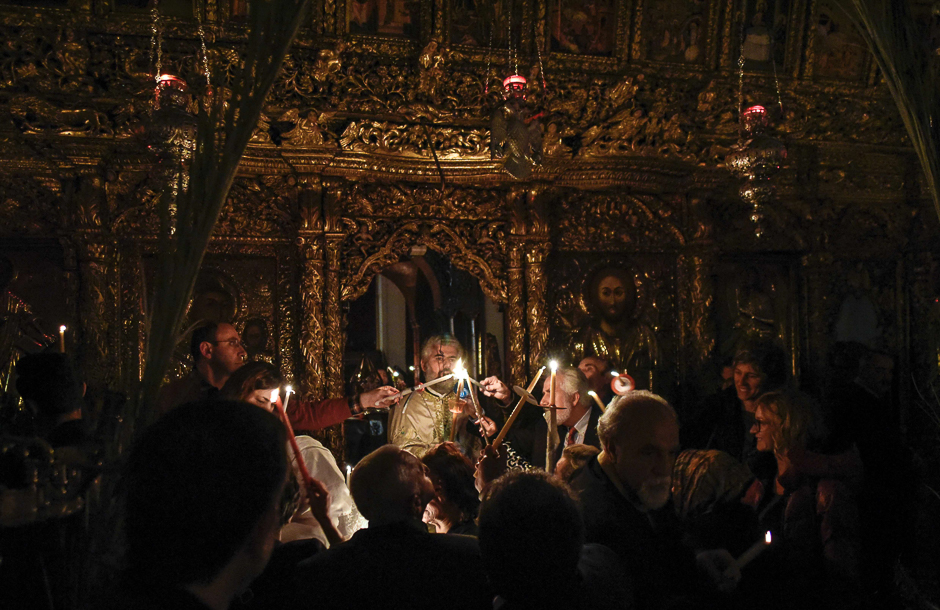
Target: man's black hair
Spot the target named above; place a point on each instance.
(196, 484)
(206, 332)
(769, 359)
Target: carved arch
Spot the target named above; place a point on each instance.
(477, 248)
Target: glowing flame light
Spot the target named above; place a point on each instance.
(62, 328)
(553, 365)
(274, 395)
(767, 538)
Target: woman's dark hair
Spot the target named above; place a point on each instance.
(769, 359)
(455, 473)
(248, 378)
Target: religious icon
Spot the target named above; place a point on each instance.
(765, 33)
(839, 49)
(384, 17)
(675, 32)
(616, 332)
(255, 337)
(480, 24)
(584, 27)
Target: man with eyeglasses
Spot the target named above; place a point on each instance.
(217, 351)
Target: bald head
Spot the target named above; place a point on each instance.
(390, 485)
(640, 435)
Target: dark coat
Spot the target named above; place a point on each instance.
(396, 566)
(649, 544)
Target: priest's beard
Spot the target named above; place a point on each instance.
(654, 493)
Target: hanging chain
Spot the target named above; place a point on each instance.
(156, 42)
(509, 48)
(489, 56)
(538, 49)
(202, 43)
(773, 60)
(741, 75)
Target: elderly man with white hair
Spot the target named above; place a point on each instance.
(625, 498)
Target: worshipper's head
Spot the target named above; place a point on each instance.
(571, 395)
(50, 382)
(759, 367)
(597, 372)
(456, 499)
(640, 436)
(202, 490)
(876, 373)
(439, 356)
(253, 383)
(785, 419)
(217, 348)
(573, 459)
(390, 485)
(726, 373)
(531, 534)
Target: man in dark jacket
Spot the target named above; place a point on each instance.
(395, 562)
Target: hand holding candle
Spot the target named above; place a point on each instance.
(751, 554)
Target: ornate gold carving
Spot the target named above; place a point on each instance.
(536, 310)
(515, 314)
(335, 339)
(618, 222)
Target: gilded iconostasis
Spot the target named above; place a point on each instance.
(609, 225)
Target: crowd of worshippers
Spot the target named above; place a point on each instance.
(759, 497)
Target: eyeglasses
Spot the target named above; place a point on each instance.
(231, 342)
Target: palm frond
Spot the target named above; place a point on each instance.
(224, 127)
(910, 72)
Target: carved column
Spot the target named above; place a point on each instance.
(95, 311)
(310, 246)
(816, 297)
(696, 291)
(536, 307)
(515, 312)
(335, 340)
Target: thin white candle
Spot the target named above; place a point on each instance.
(420, 386)
(600, 404)
(287, 392)
(62, 339)
(756, 549)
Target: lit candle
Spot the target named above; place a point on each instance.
(756, 549)
(552, 432)
(593, 395)
(62, 339)
(287, 392)
(551, 396)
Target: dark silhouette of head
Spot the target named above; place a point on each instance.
(531, 534)
(197, 485)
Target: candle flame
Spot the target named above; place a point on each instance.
(459, 371)
(62, 328)
(592, 393)
(553, 365)
(288, 390)
(274, 394)
(614, 374)
(767, 538)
